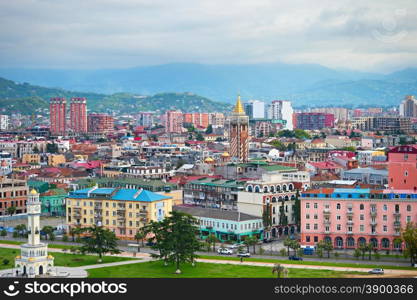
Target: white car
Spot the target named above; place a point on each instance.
(234, 246)
(225, 251)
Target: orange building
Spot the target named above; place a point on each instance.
(197, 119)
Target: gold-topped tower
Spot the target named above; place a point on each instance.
(239, 133)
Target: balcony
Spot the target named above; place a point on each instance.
(373, 222)
(397, 224)
(373, 213)
(397, 214)
(326, 222)
(326, 230)
(349, 232)
(373, 233)
(349, 213)
(349, 222)
(326, 211)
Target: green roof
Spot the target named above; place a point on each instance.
(152, 185)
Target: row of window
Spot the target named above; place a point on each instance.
(107, 204)
(13, 194)
(13, 203)
(222, 225)
(270, 189)
(361, 218)
(348, 228)
(361, 206)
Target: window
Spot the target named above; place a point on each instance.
(339, 227)
(384, 217)
(315, 205)
(361, 207)
(362, 228)
(308, 226)
(308, 239)
(307, 216)
(338, 217)
(316, 239)
(316, 226)
(316, 217)
(361, 217)
(385, 228)
(307, 205)
(385, 207)
(338, 206)
(408, 207)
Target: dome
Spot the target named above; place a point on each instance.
(33, 192)
(209, 159)
(225, 154)
(50, 257)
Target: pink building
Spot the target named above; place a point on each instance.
(173, 121)
(402, 168)
(353, 216)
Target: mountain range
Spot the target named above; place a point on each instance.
(25, 98)
(304, 84)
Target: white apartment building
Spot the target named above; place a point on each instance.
(281, 110)
(4, 122)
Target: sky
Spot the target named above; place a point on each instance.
(374, 36)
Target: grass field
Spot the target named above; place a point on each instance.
(61, 259)
(57, 246)
(316, 263)
(156, 269)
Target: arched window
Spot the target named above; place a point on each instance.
(350, 242)
(249, 188)
(361, 207)
(338, 206)
(397, 208)
(284, 187)
(272, 189)
(408, 207)
(274, 199)
(291, 187)
(257, 189)
(278, 188)
(266, 189)
(385, 243)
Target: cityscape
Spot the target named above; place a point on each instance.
(100, 179)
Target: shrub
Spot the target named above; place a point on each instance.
(65, 238)
(3, 232)
(6, 261)
(283, 252)
(336, 254)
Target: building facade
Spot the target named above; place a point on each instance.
(58, 115)
(402, 168)
(5, 163)
(100, 123)
(225, 225)
(314, 121)
(173, 121)
(408, 107)
(78, 115)
(13, 193)
(123, 211)
(4, 122)
(281, 110)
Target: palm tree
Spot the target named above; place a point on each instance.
(277, 268)
(140, 235)
(251, 241)
(75, 231)
(288, 244)
(211, 240)
(48, 230)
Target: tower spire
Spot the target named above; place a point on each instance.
(239, 107)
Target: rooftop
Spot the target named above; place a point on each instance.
(118, 194)
(215, 213)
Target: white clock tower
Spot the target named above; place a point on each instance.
(34, 259)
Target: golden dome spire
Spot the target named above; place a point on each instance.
(33, 192)
(239, 107)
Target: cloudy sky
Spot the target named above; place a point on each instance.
(365, 35)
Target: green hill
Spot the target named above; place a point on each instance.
(25, 99)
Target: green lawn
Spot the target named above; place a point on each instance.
(156, 269)
(57, 246)
(61, 259)
(317, 263)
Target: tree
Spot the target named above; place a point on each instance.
(199, 137)
(278, 269)
(3, 233)
(75, 231)
(325, 246)
(295, 245)
(209, 129)
(175, 239)
(52, 148)
(409, 236)
(251, 241)
(11, 210)
(363, 248)
(100, 241)
(288, 243)
(283, 219)
(48, 231)
(211, 241)
(297, 209)
(20, 229)
(139, 236)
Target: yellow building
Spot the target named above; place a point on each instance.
(176, 196)
(56, 159)
(32, 159)
(122, 211)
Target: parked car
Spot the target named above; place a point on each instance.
(377, 271)
(234, 246)
(243, 254)
(225, 251)
(267, 241)
(293, 257)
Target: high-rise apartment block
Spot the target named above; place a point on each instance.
(146, 119)
(281, 110)
(100, 123)
(199, 120)
(57, 112)
(173, 121)
(408, 107)
(4, 122)
(78, 115)
(314, 121)
(402, 168)
(255, 109)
